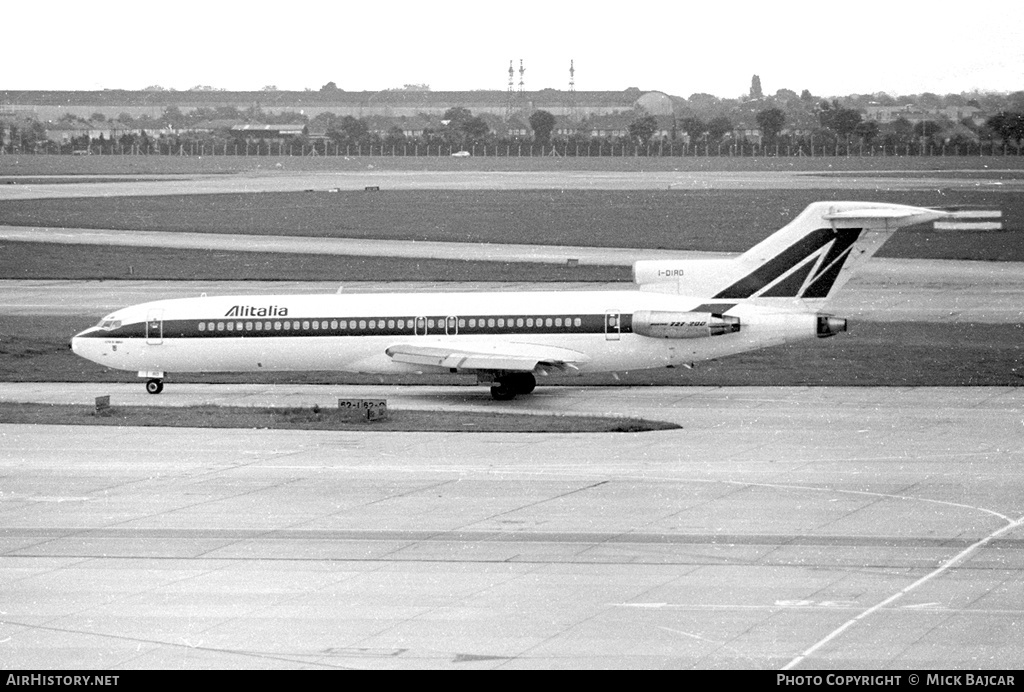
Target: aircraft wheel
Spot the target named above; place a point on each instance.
(154, 386)
(503, 391)
(526, 383)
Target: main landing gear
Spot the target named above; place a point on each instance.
(506, 387)
(154, 386)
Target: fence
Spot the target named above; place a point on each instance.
(522, 150)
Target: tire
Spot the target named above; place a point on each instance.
(525, 383)
(154, 386)
(503, 392)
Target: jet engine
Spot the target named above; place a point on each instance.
(683, 325)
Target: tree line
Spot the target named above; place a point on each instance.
(836, 130)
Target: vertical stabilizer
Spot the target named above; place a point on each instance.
(813, 256)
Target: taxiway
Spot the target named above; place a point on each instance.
(783, 527)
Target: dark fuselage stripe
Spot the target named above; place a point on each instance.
(262, 327)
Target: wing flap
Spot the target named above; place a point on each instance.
(503, 357)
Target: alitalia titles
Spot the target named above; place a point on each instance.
(254, 311)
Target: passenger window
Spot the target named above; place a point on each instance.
(202, 326)
(220, 326)
(501, 321)
(277, 326)
(391, 324)
(334, 324)
(248, 326)
(362, 324)
(578, 322)
(316, 324)
(305, 324)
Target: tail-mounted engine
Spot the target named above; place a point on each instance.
(683, 325)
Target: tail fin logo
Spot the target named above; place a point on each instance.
(807, 269)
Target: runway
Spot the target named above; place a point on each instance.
(882, 526)
(281, 179)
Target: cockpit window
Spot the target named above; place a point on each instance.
(108, 325)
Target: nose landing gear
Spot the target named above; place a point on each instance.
(154, 386)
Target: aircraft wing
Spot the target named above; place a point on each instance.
(497, 357)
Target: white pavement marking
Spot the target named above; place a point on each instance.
(956, 559)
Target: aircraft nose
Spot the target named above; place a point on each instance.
(78, 340)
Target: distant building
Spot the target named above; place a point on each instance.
(916, 114)
(276, 133)
(410, 126)
(65, 132)
(53, 105)
(617, 125)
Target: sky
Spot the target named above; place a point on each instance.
(898, 47)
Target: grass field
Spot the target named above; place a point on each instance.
(86, 262)
(315, 418)
(184, 165)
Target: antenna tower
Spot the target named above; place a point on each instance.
(572, 90)
(511, 92)
(522, 71)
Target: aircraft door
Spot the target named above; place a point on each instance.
(420, 327)
(451, 326)
(155, 327)
(612, 325)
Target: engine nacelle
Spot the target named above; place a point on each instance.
(683, 325)
(684, 276)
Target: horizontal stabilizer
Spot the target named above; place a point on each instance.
(898, 215)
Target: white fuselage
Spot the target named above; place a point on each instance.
(353, 332)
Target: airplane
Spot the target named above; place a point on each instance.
(679, 312)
